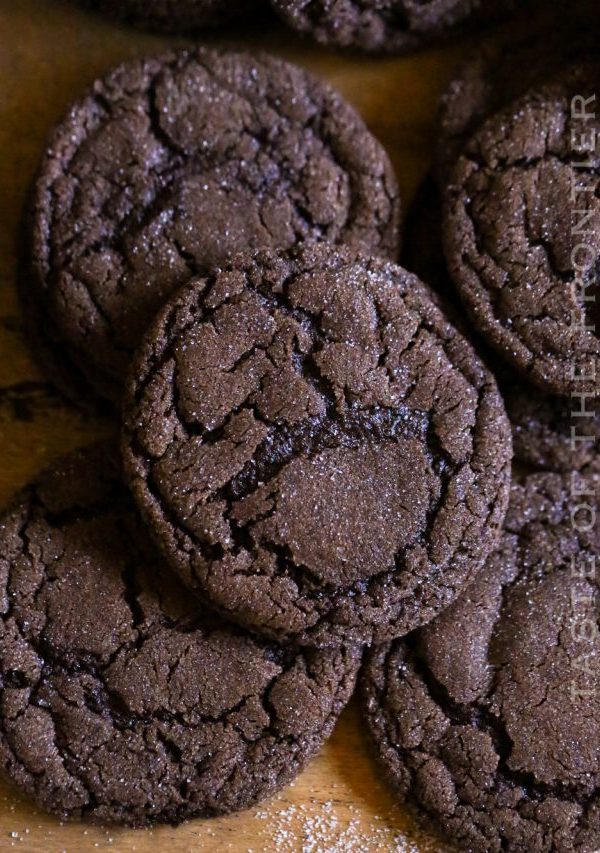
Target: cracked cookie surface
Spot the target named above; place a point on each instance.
(318, 452)
(120, 700)
(391, 26)
(169, 166)
(488, 717)
(176, 15)
(521, 251)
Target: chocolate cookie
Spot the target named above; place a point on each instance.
(506, 66)
(522, 251)
(176, 15)
(488, 718)
(170, 165)
(394, 26)
(550, 432)
(120, 701)
(319, 453)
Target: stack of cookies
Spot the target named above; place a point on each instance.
(314, 467)
(488, 716)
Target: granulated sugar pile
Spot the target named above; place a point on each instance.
(318, 828)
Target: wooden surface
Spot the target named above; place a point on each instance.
(49, 51)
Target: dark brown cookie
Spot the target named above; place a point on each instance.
(394, 26)
(522, 244)
(552, 433)
(120, 700)
(506, 66)
(488, 718)
(170, 165)
(176, 15)
(318, 452)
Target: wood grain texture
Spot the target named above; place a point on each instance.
(49, 51)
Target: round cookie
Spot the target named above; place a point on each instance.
(547, 434)
(319, 454)
(488, 718)
(522, 253)
(170, 165)
(505, 67)
(176, 15)
(393, 26)
(121, 701)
